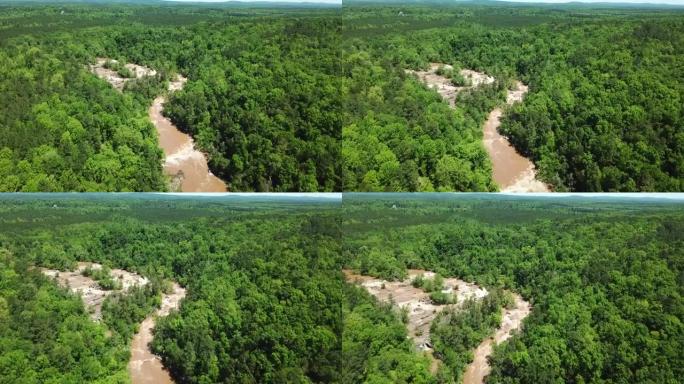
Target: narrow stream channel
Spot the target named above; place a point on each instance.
(144, 366)
(183, 163)
(510, 170)
(512, 319)
(421, 313)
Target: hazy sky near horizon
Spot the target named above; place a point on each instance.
(674, 2)
(251, 1)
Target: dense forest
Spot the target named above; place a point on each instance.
(263, 99)
(604, 278)
(266, 102)
(62, 129)
(319, 99)
(263, 282)
(266, 301)
(374, 344)
(604, 111)
(398, 135)
(46, 336)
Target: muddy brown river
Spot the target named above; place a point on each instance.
(510, 170)
(185, 165)
(421, 313)
(512, 319)
(144, 367)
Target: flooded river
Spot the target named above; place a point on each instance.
(510, 170)
(144, 366)
(183, 163)
(511, 320)
(187, 165)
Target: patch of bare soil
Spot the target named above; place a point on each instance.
(113, 78)
(186, 166)
(510, 170)
(443, 85)
(421, 311)
(143, 366)
(90, 291)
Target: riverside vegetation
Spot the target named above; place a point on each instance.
(603, 277)
(263, 288)
(290, 99)
(262, 99)
(571, 289)
(603, 113)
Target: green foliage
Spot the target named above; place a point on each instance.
(376, 262)
(124, 311)
(147, 88)
(604, 277)
(456, 77)
(459, 80)
(103, 276)
(585, 138)
(436, 284)
(455, 334)
(374, 346)
(263, 99)
(604, 111)
(62, 129)
(319, 100)
(442, 298)
(400, 136)
(264, 290)
(274, 126)
(119, 68)
(46, 336)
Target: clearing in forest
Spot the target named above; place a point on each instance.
(416, 302)
(445, 86)
(144, 366)
(510, 170)
(421, 311)
(187, 166)
(92, 293)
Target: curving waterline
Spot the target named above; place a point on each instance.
(511, 320)
(510, 170)
(187, 166)
(144, 366)
(421, 313)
